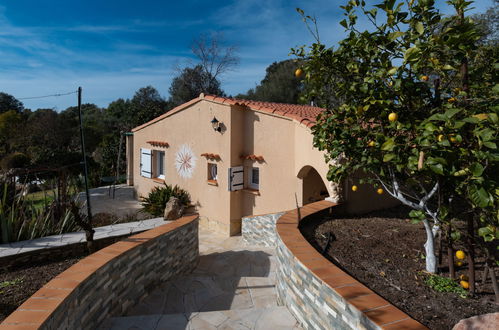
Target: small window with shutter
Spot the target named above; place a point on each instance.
(146, 163)
(160, 164)
(254, 178)
(212, 173)
(236, 178)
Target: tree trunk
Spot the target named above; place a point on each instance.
(431, 260)
(471, 255)
(450, 253)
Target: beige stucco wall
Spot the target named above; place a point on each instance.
(287, 148)
(191, 126)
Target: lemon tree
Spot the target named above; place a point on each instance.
(414, 108)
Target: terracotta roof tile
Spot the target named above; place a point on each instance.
(211, 156)
(252, 157)
(159, 143)
(297, 112)
(304, 114)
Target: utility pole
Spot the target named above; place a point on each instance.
(89, 212)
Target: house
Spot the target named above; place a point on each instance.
(236, 158)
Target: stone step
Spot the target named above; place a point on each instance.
(275, 318)
(194, 293)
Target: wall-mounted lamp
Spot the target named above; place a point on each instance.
(216, 124)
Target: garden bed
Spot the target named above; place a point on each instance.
(20, 283)
(384, 251)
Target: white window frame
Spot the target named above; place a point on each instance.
(157, 161)
(251, 184)
(212, 177)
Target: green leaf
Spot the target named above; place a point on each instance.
(493, 117)
(490, 145)
(392, 71)
(438, 168)
(419, 27)
(451, 112)
(438, 117)
(456, 236)
(388, 145)
(448, 67)
(430, 127)
(394, 35)
(476, 169)
(388, 157)
(486, 134)
(478, 196)
(412, 54)
(484, 231)
(344, 23)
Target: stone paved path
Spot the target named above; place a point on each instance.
(233, 287)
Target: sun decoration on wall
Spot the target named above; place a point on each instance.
(185, 161)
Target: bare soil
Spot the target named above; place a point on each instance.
(384, 251)
(17, 285)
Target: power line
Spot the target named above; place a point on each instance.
(44, 96)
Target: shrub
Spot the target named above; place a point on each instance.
(444, 284)
(156, 201)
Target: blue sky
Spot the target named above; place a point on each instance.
(111, 48)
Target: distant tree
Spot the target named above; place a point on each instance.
(214, 58)
(119, 115)
(279, 84)
(10, 122)
(190, 83)
(145, 105)
(9, 102)
(489, 24)
(93, 126)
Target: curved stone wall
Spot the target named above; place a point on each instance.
(321, 295)
(110, 281)
(260, 229)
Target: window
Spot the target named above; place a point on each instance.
(212, 172)
(254, 178)
(160, 164)
(145, 163)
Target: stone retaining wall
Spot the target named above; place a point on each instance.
(321, 295)
(110, 281)
(260, 229)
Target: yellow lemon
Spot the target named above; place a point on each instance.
(392, 117)
(379, 191)
(452, 139)
(354, 188)
(465, 284)
(460, 254)
(371, 144)
(440, 138)
(298, 73)
(459, 263)
(451, 100)
(424, 78)
(463, 278)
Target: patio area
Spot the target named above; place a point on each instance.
(233, 287)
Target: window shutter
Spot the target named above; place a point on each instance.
(146, 163)
(236, 178)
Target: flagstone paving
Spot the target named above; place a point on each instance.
(233, 287)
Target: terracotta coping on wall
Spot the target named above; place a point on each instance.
(159, 144)
(38, 308)
(374, 307)
(211, 156)
(252, 157)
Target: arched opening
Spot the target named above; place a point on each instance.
(313, 187)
